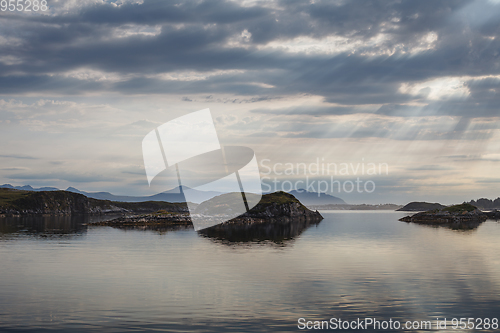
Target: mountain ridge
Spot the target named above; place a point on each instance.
(314, 198)
(173, 195)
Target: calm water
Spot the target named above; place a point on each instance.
(58, 275)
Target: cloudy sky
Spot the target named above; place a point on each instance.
(414, 84)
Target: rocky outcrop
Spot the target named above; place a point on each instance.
(116, 207)
(19, 203)
(494, 214)
(153, 221)
(421, 207)
(281, 212)
(463, 213)
(279, 207)
(273, 207)
(50, 202)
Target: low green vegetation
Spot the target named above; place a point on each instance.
(465, 207)
(278, 198)
(9, 196)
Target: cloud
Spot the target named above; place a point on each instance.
(14, 169)
(58, 85)
(432, 167)
(100, 74)
(392, 54)
(63, 176)
(19, 157)
(151, 12)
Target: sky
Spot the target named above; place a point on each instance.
(411, 87)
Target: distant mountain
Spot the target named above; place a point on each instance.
(29, 188)
(355, 207)
(313, 198)
(173, 195)
(486, 204)
(421, 207)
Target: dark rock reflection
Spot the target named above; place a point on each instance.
(44, 225)
(279, 233)
(457, 226)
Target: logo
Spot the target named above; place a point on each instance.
(190, 145)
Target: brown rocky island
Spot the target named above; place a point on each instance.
(463, 216)
(29, 203)
(274, 208)
(277, 208)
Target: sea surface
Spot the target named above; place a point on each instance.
(57, 274)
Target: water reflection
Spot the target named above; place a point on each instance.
(351, 265)
(278, 233)
(273, 231)
(159, 228)
(48, 225)
(458, 226)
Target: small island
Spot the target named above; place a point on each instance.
(28, 203)
(276, 208)
(420, 207)
(456, 214)
(279, 208)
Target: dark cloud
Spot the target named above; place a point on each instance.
(152, 12)
(209, 36)
(19, 84)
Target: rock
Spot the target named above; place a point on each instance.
(450, 215)
(50, 202)
(274, 207)
(494, 214)
(421, 207)
(279, 207)
(17, 202)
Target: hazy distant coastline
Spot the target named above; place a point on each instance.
(355, 207)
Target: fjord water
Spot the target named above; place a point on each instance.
(59, 275)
